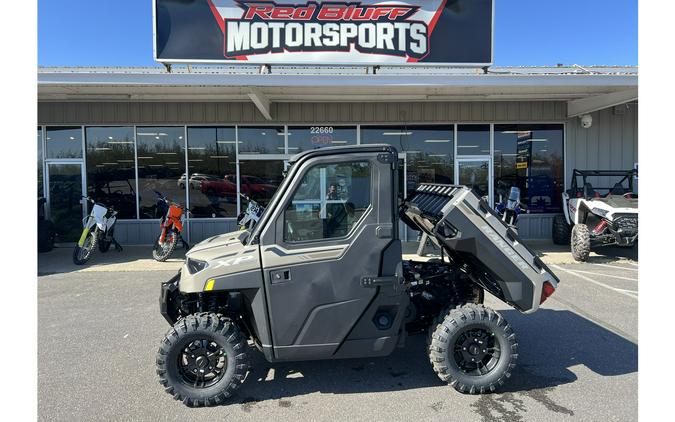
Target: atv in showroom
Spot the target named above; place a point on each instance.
(598, 216)
(321, 276)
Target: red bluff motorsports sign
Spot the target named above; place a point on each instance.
(450, 32)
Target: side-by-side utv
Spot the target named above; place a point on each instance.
(321, 276)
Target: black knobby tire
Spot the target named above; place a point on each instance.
(202, 327)
(80, 255)
(162, 253)
(561, 230)
(46, 236)
(499, 340)
(581, 242)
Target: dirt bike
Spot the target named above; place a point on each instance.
(248, 218)
(99, 227)
(171, 224)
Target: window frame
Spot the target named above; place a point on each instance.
(280, 219)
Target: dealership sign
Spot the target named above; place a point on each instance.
(451, 32)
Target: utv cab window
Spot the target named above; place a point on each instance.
(329, 202)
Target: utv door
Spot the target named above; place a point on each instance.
(334, 225)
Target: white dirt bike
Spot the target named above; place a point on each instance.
(99, 227)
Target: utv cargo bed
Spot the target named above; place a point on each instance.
(476, 240)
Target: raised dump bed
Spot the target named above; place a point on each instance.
(477, 242)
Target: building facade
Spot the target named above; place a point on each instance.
(202, 136)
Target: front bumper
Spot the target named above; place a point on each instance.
(167, 297)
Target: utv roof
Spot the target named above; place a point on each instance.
(604, 172)
(342, 150)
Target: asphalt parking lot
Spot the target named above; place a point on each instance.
(98, 332)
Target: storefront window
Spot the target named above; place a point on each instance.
(531, 158)
(211, 172)
(40, 187)
(259, 179)
(429, 150)
(64, 142)
(111, 176)
(312, 137)
(261, 140)
(161, 166)
(473, 140)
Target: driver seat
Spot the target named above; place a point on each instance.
(589, 192)
(618, 189)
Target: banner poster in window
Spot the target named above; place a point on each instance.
(524, 151)
(366, 32)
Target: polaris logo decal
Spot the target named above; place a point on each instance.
(390, 29)
(505, 247)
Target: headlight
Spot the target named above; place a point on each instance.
(600, 212)
(195, 265)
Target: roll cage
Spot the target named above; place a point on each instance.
(588, 191)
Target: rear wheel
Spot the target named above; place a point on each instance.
(561, 230)
(83, 253)
(581, 242)
(202, 360)
(162, 251)
(473, 349)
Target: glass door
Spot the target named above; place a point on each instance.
(476, 173)
(64, 193)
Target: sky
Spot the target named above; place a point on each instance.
(527, 32)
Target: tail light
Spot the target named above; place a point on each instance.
(546, 291)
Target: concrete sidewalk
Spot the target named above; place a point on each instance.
(139, 258)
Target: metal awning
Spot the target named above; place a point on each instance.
(586, 89)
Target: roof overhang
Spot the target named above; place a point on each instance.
(583, 92)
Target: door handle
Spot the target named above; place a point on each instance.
(279, 276)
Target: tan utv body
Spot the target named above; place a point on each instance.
(321, 276)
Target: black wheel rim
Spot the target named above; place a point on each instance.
(202, 363)
(476, 351)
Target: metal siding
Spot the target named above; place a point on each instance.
(611, 143)
(535, 226)
(172, 113)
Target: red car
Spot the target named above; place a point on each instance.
(226, 187)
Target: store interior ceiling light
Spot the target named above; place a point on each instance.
(396, 133)
(172, 164)
(167, 153)
(467, 146)
(438, 155)
(110, 164)
(197, 148)
(156, 165)
(437, 141)
(125, 161)
(152, 134)
(110, 137)
(227, 142)
(218, 156)
(339, 142)
(145, 158)
(196, 160)
(538, 140)
(119, 142)
(103, 149)
(72, 138)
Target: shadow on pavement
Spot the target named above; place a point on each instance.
(60, 260)
(550, 343)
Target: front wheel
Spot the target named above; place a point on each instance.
(162, 251)
(81, 254)
(581, 242)
(473, 349)
(202, 360)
